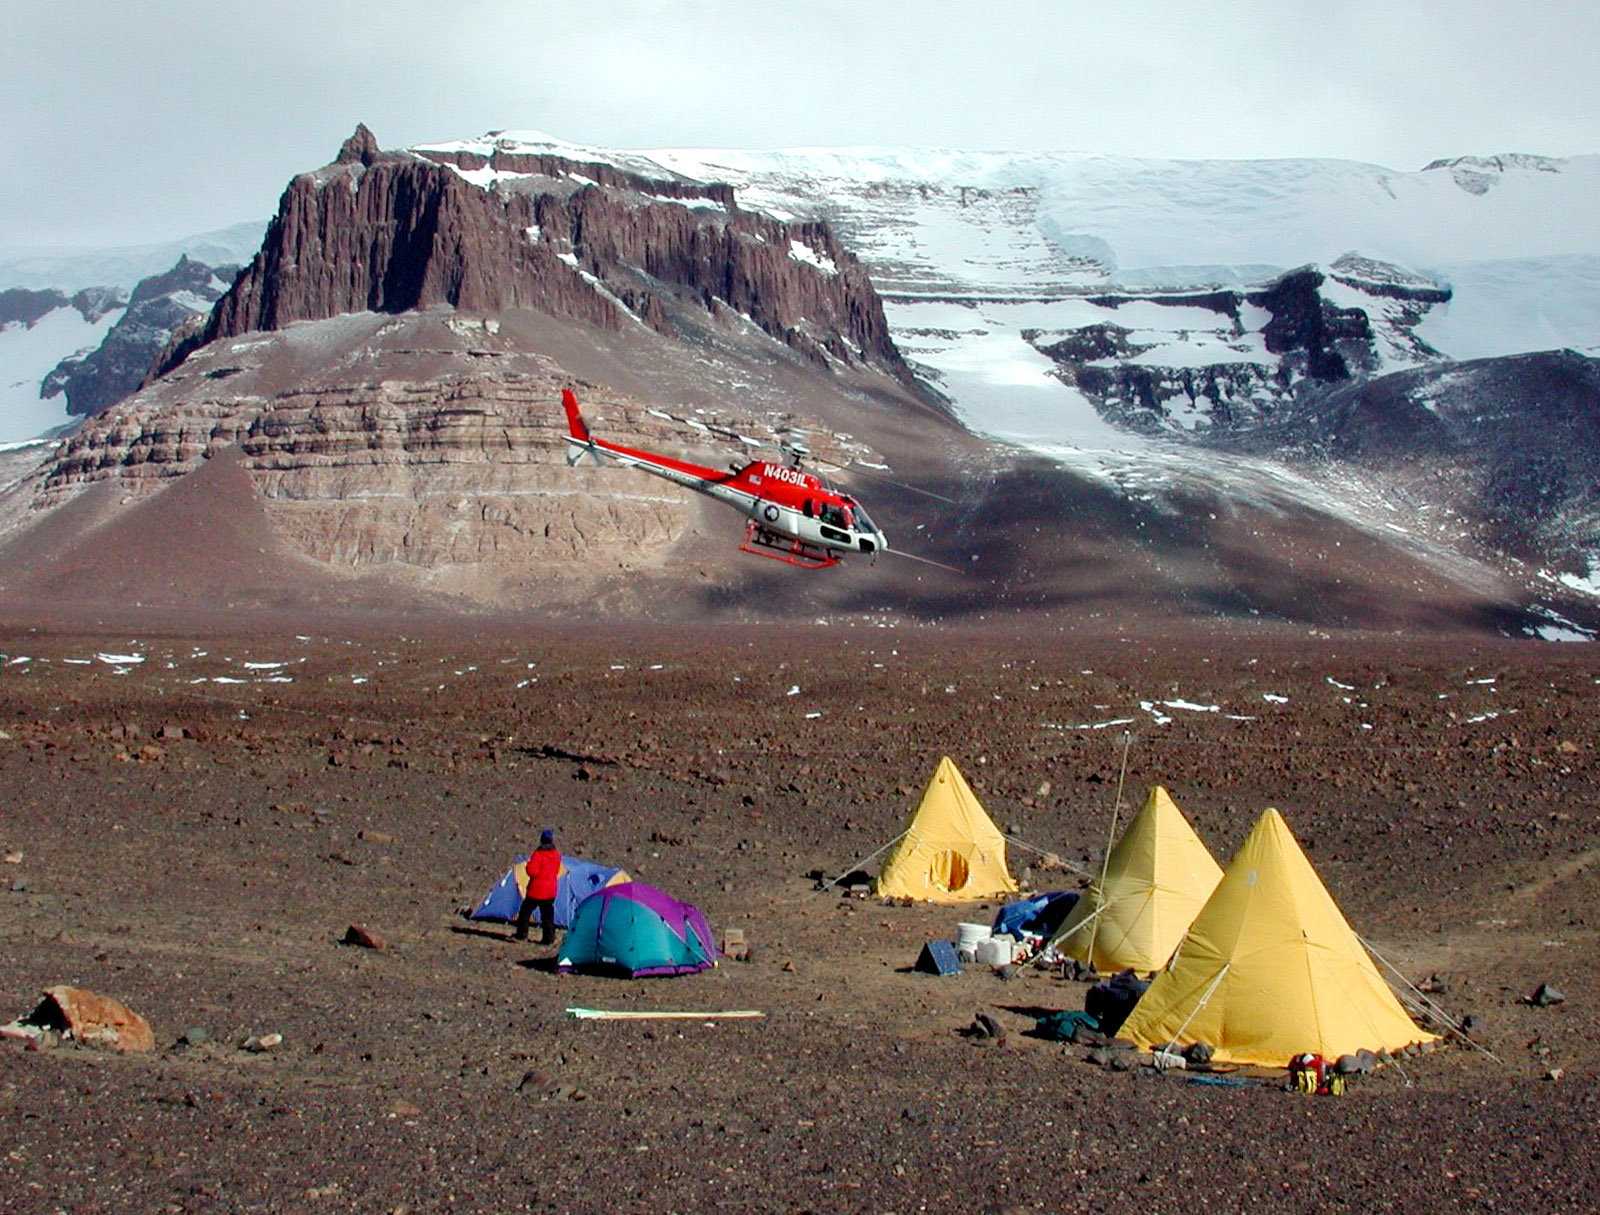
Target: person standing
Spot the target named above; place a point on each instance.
(544, 878)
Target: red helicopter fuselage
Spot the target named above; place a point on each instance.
(794, 515)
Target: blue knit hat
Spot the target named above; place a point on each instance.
(547, 836)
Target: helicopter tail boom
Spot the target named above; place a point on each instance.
(576, 426)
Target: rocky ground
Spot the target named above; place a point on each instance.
(194, 815)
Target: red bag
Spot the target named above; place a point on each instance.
(1308, 1074)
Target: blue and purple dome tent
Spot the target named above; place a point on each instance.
(576, 882)
(635, 929)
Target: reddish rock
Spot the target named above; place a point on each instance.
(96, 1020)
(360, 934)
(361, 147)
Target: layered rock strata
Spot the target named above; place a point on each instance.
(428, 474)
(430, 445)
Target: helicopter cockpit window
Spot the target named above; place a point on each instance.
(833, 515)
(863, 520)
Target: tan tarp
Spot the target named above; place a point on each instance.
(951, 851)
(1270, 969)
(1156, 879)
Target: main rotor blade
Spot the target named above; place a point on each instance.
(895, 552)
(722, 432)
(877, 476)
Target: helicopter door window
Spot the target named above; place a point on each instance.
(832, 514)
(805, 508)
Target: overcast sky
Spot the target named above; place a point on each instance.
(137, 122)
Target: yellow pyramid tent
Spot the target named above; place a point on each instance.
(1156, 879)
(1271, 969)
(951, 851)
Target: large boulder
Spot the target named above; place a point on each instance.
(94, 1019)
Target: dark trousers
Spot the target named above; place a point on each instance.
(547, 919)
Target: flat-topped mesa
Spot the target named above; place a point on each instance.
(392, 231)
(519, 161)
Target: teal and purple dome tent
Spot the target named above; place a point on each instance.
(636, 930)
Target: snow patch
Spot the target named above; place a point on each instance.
(28, 353)
(801, 252)
(1555, 627)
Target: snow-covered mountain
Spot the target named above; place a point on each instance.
(124, 266)
(69, 341)
(985, 259)
(37, 330)
(1140, 319)
(995, 265)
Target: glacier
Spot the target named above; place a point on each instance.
(981, 257)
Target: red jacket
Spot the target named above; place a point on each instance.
(544, 873)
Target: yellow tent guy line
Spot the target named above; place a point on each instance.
(1065, 864)
(863, 860)
(1411, 994)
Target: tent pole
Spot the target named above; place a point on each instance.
(1203, 1001)
(1111, 839)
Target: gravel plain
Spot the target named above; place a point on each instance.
(193, 819)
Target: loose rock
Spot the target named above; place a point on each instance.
(92, 1019)
(362, 936)
(1545, 996)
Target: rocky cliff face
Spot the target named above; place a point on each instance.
(159, 306)
(388, 232)
(379, 389)
(22, 306)
(376, 397)
(1237, 356)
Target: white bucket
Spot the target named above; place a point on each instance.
(967, 938)
(994, 951)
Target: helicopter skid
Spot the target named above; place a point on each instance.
(765, 543)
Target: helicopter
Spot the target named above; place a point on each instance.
(793, 515)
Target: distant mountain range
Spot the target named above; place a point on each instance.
(123, 266)
(990, 260)
(1407, 357)
(80, 328)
